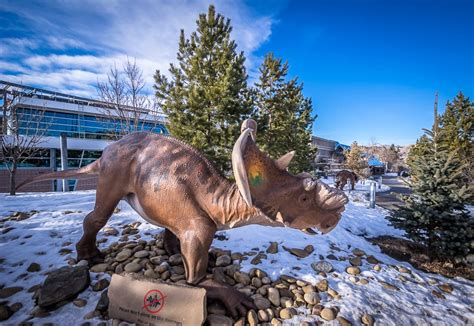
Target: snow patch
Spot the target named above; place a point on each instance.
(59, 221)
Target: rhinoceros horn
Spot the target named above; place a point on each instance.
(309, 184)
(283, 162)
(248, 129)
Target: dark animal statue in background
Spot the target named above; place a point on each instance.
(343, 176)
(172, 185)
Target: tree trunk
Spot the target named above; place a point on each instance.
(431, 250)
(5, 108)
(13, 181)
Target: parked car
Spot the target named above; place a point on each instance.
(404, 173)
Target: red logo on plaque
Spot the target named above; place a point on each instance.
(153, 301)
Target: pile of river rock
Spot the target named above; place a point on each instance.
(276, 301)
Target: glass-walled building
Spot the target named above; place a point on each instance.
(87, 124)
(330, 154)
(76, 125)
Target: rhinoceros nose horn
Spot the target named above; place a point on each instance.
(332, 198)
(341, 197)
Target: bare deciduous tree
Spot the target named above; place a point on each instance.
(125, 101)
(22, 133)
(389, 155)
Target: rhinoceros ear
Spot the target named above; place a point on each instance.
(283, 162)
(249, 124)
(304, 175)
(249, 127)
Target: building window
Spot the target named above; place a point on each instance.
(75, 125)
(40, 159)
(77, 158)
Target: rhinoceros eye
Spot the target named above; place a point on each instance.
(304, 199)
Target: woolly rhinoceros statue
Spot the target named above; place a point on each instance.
(172, 185)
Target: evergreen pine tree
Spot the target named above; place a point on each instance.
(284, 115)
(356, 160)
(457, 128)
(206, 97)
(417, 152)
(434, 214)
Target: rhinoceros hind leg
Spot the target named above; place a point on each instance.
(86, 247)
(105, 203)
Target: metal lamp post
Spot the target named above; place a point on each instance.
(372, 194)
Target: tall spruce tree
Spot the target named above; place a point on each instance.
(457, 128)
(206, 97)
(416, 152)
(284, 115)
(434, 214)
(356, 160)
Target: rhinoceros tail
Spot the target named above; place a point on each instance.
(85, 172)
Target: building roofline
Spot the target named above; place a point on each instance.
(45, 91)
(54, 96)
(317, 137)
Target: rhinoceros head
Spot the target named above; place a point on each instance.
(298, 201)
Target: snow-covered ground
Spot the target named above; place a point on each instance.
(58, 225)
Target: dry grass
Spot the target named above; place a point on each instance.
(417, 255)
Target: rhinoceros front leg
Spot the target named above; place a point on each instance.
(195, 243)
(235, 302)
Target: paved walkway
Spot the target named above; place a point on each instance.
(389, 199)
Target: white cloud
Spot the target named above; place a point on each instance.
(112, 30)
(11, 67)
(93, 63)
(64, 43)
(16, 46)
(72, 81)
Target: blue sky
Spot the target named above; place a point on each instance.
(371, 67)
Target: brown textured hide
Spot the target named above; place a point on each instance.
(278, 191)
(172, 185)
(344, 176)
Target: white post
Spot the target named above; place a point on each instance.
(372, 195)
(63, 148)
(380, 182)
(52, 163)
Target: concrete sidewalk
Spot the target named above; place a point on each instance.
(390, 199)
